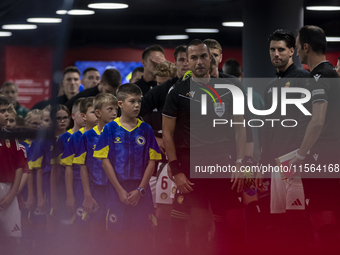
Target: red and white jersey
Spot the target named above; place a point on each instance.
(12, 157)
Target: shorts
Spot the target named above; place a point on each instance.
(10, 219)
(123, 218)
(64, 216)
(99, 194)
(321, 193)
(164, 186)
(24, 195)
(78, 193)
(36, 216)
(286, 194)
(46, 185)
(216, 192)
(180, 208)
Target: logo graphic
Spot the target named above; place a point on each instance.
(16, 228)
(140, 140)
(37, 212)
(79, 211)
(296, 202)
(8, 143)
(94, 147)
(287, 84)
(117, 140)
(173, 190)
(315, 156)
(51, 148)
(113, 218)
(270, 90)
(180, 200)
(219, 107)
(190, 94)
(164, 196)
(317, 76)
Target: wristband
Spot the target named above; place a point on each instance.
(175, 167)
(298, 156)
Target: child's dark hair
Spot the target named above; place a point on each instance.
(57, 108)
(128, 89)
(85, 104)
(3, 100)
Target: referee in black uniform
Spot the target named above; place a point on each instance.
(182, 136)
(320, 135)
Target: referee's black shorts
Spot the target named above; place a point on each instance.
(216, 192)
(322, 193)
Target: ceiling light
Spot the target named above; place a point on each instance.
(61, 12)
(108, 6)
(233, 24)
(201, 30)
(80, 12)
(172, 37)
(323, 8)
(5, 34)
(75, 12)
(44, 20)
(19, 26)
(333, 39)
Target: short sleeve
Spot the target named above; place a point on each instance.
(102, 147)
(319, 89)
(21, 158)
(68, 154)
(80, 155)
(171, 104)
(37, 155)
(154, 151)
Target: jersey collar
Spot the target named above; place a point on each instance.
(28, 142)
(138, 124)
(96, 129)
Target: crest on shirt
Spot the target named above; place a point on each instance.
(219, 109)
(117, 140)
(51, 148)
(94, 147)
(140, 140)
(317, 76)
(287, 84)
(8, 143)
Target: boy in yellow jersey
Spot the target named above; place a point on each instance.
(128, 150)
(74, 189)
(93, 177)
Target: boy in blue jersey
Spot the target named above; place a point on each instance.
(74, 189)
(58, 190)
(128, 150)
(93, 177)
